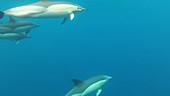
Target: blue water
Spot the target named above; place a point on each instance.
(126, 39)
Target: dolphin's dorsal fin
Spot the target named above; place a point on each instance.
(76, 82)
(11, 20)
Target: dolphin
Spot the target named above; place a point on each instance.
(14, 36)
(16, 26)
(45, 9)
(85, 87)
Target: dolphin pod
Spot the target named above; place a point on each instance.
(42, 9)
(16, 30)
(83, 88)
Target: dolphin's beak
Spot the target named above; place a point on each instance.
(108, 77)
(37, 25)
(84, 9)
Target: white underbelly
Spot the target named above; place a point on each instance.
(94, 87)
(11, 36)
(50, 14)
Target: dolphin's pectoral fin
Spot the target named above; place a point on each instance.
(64, 20)
(98, 92)
(71, 16)
(28, 36)
(17, 42)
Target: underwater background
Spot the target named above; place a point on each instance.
(126, 39)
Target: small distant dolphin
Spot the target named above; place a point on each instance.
(14, 36)
(16, 26)
(16, 30)
(45, 9)
(84, 87)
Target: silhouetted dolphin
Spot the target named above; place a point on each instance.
(45, 9)
(16, 26)
(84, 87)
(14, 36)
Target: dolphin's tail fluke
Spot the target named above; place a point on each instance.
(1, 14)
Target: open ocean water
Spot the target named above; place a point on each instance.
(126, 39)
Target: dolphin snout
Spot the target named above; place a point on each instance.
(84, 9)
(81, 8)
(108, 77)
(36, 25)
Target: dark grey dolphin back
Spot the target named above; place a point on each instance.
(12, 23)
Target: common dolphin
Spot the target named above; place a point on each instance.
(16, 26)
(16, 30)
(45, 9)
(85, 87)
(14, 36)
